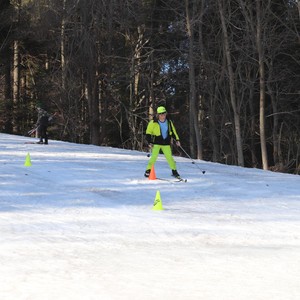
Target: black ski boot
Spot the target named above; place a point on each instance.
(175, 173)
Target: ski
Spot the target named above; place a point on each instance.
(181, 179)
(32, 143)
(177, 179)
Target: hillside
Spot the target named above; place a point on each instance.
(78, 224)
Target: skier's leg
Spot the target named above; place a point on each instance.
(40, 133)
(168, 155)
(46, 136)
(154, 155)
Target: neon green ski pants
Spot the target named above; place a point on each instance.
(166, 149)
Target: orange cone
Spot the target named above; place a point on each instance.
(152, 175)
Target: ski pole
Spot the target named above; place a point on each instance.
(30, 132)
(193, 162)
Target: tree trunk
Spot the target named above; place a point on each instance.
(62, 47)
(259, 45)
(134, 88)
(8, 96)
(275, 135)
(194, 109)
(238, 136)
(16, 84)
(211, 93)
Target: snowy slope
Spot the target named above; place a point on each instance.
(78, 224)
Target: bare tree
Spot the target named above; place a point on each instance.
(190, 9)
(260, 50)
(234, 104)
(6, 103)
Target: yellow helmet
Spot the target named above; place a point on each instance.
(161, 110)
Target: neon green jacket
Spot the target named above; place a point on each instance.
(153, 133)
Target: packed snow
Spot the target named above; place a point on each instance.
(79, 224)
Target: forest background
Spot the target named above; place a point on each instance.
(227, 71)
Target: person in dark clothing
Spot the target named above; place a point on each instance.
(42, 125)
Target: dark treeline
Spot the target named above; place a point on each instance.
(227, 71)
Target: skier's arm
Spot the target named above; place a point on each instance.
(149, 132)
